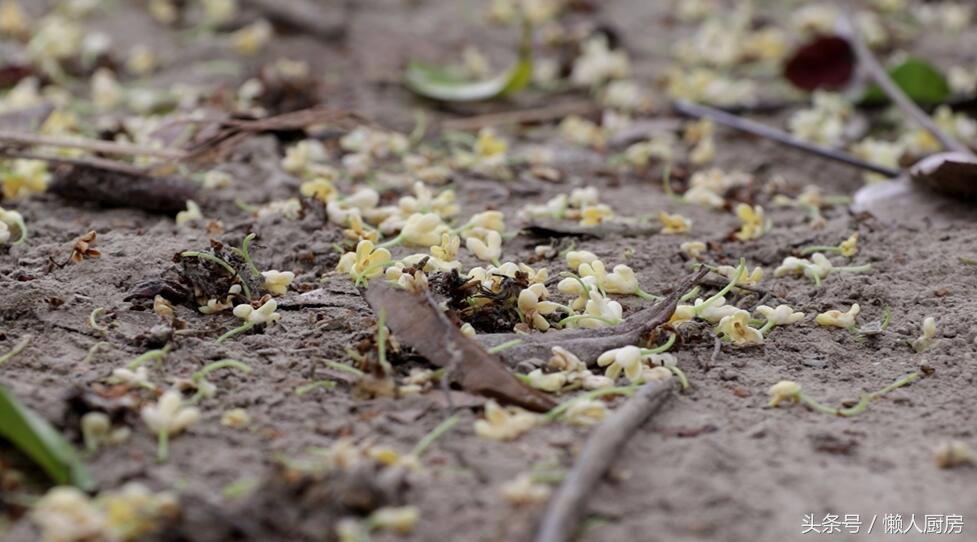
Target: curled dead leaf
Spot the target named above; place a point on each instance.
(952, 173)
(417, 322)
(84, 247)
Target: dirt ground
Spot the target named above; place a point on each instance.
(714, 464)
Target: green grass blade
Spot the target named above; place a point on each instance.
(37, 439)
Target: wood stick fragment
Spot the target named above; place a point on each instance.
(84, 161)
(603, 447)
(321, 20)
(745, 125)
(94, 145)
(588, 344)
(540, 114)
(867, 59)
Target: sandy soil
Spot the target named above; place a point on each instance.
(714, 464)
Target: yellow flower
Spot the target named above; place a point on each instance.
(676, 223)
(586, 412)
(682, 314)
(954, 454)
(251, 39)
(489, 145)
(265, 314)
(320, 189)
(565, 360)
(236, 418)
(849, 247)
(24, 178)
(486, 245)
(715, 311)
(447, 251)
(593, 215)
(367, 262)
(424, 230)
(753, 223)
(277, 282)
(141, 61)
(66, 513)
(10, 222)
(191, 214)
(745, 279)
(577, 257)
(780, 316)
(400, 519)
(549, 382)
(736, 328)
(358, 231)
(534, 308)
(504, 423)
(13, 20)
(626, 359)
(785, 391)
(693, 249)
(582, 132)
(836, 318)
(523, 490)
(929, 333)
(489, 220)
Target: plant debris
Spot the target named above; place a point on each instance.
(81, 183)
(416, 322)
(589, 344)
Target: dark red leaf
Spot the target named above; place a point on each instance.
(826, 62)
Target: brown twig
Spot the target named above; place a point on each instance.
(87, 161)
(93, 145)
(321, 20)
(588, 344)
(539, 114)
(878, 74)
(602, 448)
(702, 111)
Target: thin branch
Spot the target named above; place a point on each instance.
(93, 145)
(702, 111)
(90, 161)
(867, 59)
(602, 448)
(540, 114)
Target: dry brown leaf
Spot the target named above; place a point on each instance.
(418, 323)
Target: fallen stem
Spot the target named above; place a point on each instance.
(878, 74)
(659, 349)
(221, 364)
(306, 388)
(745, 125)
(434, 435)
(863, 402)
(559, 409)
(236, 331)
(602, 448)
(93, 145)
(17, 349)
(92, 320)
(500, 347)
(343, 367)
(146, 357)
(541, 114)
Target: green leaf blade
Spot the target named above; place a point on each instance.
(37, 439)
